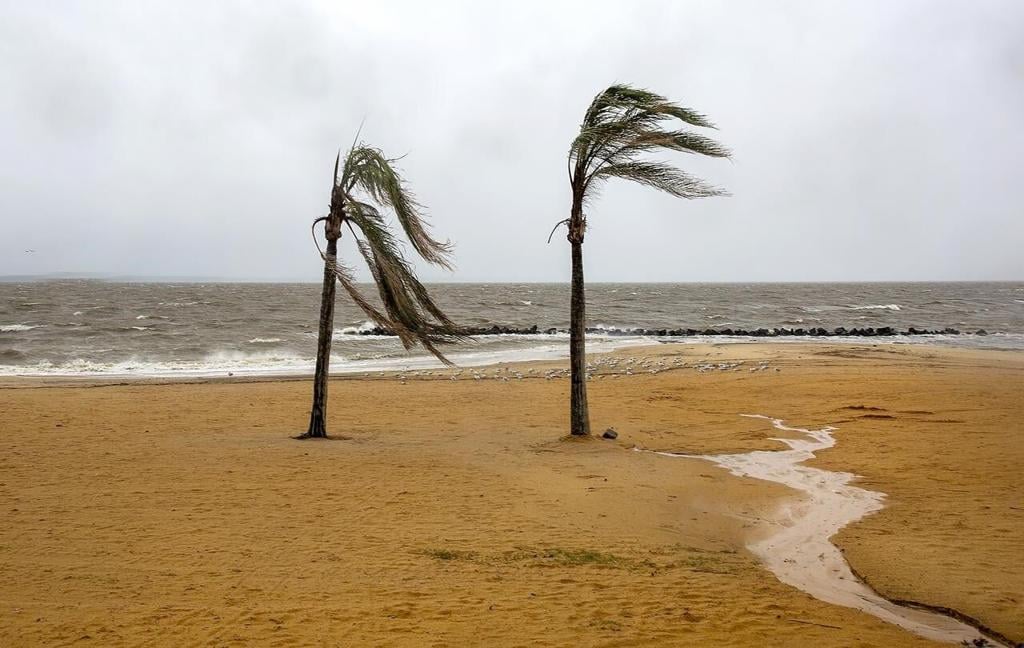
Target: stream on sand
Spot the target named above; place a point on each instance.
(800, 552)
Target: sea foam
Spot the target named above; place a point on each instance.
(892, 307)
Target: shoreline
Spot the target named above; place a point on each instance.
(347, 368)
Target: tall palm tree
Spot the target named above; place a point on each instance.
(621, 124)
(367, 185)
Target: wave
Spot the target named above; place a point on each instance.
(259, 340)
(891, 307)
(540, 347)
(267, 363)
(12, 356)
(14, 328)
(361, 330)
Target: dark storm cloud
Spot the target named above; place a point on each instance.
(873, 140)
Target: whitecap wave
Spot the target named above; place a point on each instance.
(259, 340)
(269, 363)
(362, 329)
(14, 328)
(891, 307)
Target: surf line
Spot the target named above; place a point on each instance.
(800, 552)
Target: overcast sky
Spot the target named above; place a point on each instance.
(872, 140)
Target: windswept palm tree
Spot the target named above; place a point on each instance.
(620, 126)
(366, 186)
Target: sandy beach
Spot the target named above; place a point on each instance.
(453, 512)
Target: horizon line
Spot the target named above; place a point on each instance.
(114, 278)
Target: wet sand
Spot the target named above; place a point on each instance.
(455, 515)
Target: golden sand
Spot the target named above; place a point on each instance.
(455, 514)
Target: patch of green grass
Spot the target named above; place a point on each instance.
(607, 625)
(561, 557)
(567, 557)
(707, 561)
(449, 554)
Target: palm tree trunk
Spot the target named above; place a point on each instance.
(318, 415)
(579, 417)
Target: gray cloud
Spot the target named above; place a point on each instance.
(873, 140)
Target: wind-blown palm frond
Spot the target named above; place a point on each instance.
(367, 182)
(368, 169)
(624, 122)
(661, 176)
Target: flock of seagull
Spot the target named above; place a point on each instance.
(607, 367)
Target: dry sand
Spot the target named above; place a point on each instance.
(182, 514)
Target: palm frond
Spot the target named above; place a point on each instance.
(408, 310)
(367, 169)
(624, 122)
(661, 176)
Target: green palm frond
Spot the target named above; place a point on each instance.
(660, 175)
(624, 122)
(369, 170)
(367, 187)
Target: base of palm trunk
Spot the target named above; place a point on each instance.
(317, 425)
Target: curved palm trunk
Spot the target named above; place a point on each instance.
(318, 415)
(579, 416)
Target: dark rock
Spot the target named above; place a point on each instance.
(981, 332)
(610, 433)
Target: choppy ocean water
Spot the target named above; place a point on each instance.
(89, 327)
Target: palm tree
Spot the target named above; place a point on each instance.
(621, 124)
(368, 183)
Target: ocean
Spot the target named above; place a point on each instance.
(100, 328)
